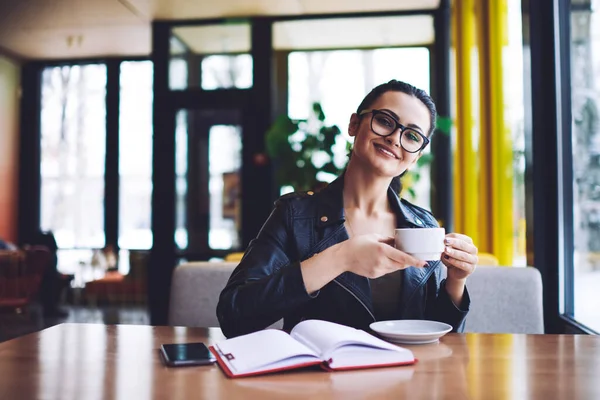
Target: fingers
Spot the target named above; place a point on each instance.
(459, 236)
(401, 257)
(462, 265)
(386, 239)
(461, 256)
(460, 244)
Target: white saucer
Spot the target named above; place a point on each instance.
(411, 331)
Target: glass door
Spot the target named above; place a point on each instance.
(208, 181)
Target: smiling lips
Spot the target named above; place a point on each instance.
(386, 151)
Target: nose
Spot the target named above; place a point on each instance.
(394, 138)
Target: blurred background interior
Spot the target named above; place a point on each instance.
(138, 134)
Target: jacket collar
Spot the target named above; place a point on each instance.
(331, 215)
(331, 207)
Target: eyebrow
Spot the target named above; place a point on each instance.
(397, 118)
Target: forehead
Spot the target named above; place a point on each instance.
(410, 109)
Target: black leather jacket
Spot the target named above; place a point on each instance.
(267, 285)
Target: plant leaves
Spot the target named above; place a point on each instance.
(444, 124)
(293, 160)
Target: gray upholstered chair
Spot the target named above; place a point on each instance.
(195, 293)
(503, 299)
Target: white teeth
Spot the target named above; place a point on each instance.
(387, 152)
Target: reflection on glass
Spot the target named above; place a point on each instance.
(181, 166)
(73, 150)
(323, 76)
(224, 72)
(585, 90)
(135, 155)
(225, 160)
(211, 56)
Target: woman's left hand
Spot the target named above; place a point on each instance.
(460, 256)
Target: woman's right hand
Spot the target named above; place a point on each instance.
(374, 255)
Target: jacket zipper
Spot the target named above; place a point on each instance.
(359, 300)
(426, 290)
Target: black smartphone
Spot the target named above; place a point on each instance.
(183, 354)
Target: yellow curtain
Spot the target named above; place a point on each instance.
(483, 175)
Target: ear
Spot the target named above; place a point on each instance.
(353, 125)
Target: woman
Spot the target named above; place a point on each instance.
(330, 255)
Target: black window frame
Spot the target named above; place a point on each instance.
(549, 158)
(30, 179)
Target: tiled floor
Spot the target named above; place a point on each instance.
(13, 325)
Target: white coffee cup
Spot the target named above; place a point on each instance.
(423, 243)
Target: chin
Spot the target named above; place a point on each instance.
(386, 171)
(387, 168)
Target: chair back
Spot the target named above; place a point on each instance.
(195, 291)
(21, 274)
(505, 300)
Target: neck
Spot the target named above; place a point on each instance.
(365, 191)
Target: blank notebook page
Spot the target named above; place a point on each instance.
(264, 350)
(328, 336)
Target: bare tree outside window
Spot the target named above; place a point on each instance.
(73, 150)
(227, 71)
(135, 155)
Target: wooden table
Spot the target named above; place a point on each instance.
(87, 361)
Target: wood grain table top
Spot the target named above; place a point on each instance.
(93, 361)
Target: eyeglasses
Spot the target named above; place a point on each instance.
(384, 125)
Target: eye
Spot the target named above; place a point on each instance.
(384, 120)
(413, 136)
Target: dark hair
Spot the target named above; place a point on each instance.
(399, 86)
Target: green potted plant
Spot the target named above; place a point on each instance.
(301, 149)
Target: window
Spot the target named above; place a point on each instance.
(585, 103)
(208, 185)
(225, 161)
(225, 72)
(211, 56)
(73, 151)
(339, 80)
(135, 155)
(514, 117)
(181, 170)
(353, 33)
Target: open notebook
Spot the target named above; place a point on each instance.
(311, 342)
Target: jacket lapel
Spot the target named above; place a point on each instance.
(414, 278)
(331, 230)
(330, 225)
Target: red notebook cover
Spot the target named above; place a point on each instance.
(324, 365)
(230, 374)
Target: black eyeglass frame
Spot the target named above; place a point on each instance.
(398, 126)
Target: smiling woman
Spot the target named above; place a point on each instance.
(323, 76)
(330, 255)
